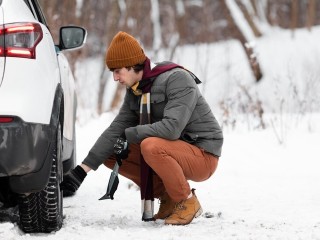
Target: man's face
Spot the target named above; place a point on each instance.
(126, 77)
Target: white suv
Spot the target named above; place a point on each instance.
(37, 114)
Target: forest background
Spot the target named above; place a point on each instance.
(165, 27)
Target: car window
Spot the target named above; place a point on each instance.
(39, 12)
(36, 10)
(28, 4)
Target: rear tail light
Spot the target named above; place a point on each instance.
(6, 119)
(20, 40)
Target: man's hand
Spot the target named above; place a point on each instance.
(121, 148)
(72, 181)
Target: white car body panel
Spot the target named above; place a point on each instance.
(34, 82)
(30, 82)
(67, 82)
(15, 10)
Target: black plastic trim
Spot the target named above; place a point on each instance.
(21, 151)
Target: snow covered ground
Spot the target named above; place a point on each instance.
(261, 190)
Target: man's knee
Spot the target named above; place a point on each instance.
(152, 145)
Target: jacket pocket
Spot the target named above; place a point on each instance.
(189, 137)
(156, 98)
(158, 103)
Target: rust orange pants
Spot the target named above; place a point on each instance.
(174, 163)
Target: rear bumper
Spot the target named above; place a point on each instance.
(26, 150)
(23, 147)
(25, 154)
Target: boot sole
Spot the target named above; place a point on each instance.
(198, 213)
(162, 218)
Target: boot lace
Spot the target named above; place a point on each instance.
(179, 207)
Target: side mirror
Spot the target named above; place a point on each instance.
(72, 37)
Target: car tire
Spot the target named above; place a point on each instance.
(43, 211)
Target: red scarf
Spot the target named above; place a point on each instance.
(150, 74)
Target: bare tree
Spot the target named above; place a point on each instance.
(311, 14)
(294, 15)
(260, 9)
(116, 15)
(238, 34)
(249, 17)
(155, 18)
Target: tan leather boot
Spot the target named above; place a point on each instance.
(166, 207)
(185, 211)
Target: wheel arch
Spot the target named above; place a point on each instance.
(36, 181)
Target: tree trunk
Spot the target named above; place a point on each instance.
(249, 19)
(311, 13)
(237, 33)
(254, 6)
(294, 16)
(155, 18)
(120, 20)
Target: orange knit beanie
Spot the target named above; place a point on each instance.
(124, 51)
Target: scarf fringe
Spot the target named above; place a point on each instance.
(147, 210)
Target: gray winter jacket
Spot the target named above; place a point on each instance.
(178, 111)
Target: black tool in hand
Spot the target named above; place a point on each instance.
(121, 152)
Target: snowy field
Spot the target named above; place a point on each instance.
(261, 190)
